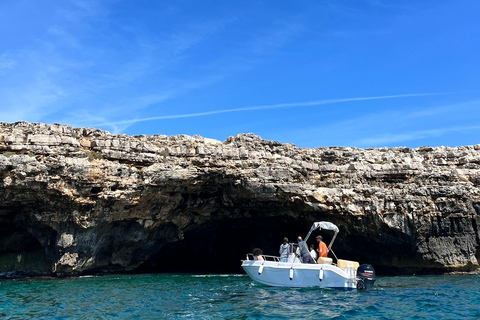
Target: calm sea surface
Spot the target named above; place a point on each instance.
(188, 296)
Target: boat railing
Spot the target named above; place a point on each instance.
(250, 257)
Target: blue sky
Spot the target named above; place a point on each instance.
(363, 73)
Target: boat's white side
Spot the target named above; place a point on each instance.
(297, 275)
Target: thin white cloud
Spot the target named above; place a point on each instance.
(6, 63)
(387, 138)
(84, 117)
(64, 37)
(79, 10)
(392, 127)
(33, 104)
(404, 121)
(273, 106)
(275, 38)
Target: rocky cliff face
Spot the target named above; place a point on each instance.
(80, 200)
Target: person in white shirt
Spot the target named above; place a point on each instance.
(313, 253)
(284, 250)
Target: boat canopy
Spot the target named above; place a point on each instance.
(325, 225)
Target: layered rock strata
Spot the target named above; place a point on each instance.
(80, 200)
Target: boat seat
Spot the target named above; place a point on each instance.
(347, 264)
(324, 260)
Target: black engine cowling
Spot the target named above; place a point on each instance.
(365, 277)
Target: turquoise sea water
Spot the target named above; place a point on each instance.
(188, 296)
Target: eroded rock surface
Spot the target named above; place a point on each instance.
(80, 200)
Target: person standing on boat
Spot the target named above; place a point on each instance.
(284, 250)
(322, 248)
(313, 253)
(304, 253)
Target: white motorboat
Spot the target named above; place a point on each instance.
(343, 275)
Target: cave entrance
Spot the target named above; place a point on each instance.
(20, 253)
(220, 246)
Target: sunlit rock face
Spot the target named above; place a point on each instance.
(80, 200)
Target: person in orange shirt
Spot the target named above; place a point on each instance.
(322, 247)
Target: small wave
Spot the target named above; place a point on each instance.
(217, 275)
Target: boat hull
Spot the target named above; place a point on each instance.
(299, 275)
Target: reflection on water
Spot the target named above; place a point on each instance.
(236, 297)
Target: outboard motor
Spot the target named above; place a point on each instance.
(365, 277)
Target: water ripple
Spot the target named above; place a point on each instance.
(184, 296)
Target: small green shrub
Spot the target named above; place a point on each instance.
(9, 153)
(92, 155)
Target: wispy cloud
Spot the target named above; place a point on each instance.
(262, 107)
(33, 103)
(85, 117)
(6, 63)
(82, 65)
(434, 122)
(388, 138)
(273, 39)
(393, 127)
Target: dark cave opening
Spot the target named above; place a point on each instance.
(15, 239)
(220, 246)
(21, 254)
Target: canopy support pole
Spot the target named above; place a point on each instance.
(331, 242)
(308, 235)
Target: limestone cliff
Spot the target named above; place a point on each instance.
(80, 200)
